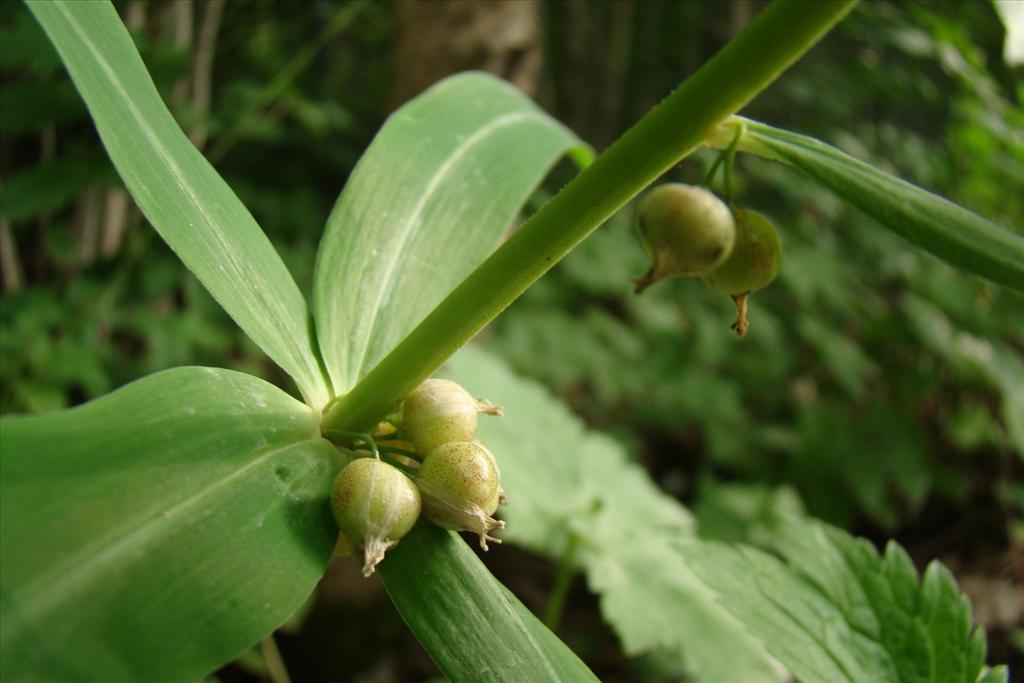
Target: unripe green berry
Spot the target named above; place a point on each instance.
(440, 411)
(755, 260)
(374, 505)
(461, 489)
(753, 265)
(686, 230)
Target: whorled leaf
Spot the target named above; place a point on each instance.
(157, 532)
(445, 177)
(180, 193)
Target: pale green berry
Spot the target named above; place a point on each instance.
(753, 265)
(686, 231)
(502, 498)
(461, 489)
(440, 411)
(374, 505)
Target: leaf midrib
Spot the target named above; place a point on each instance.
(49, 589)
(413, 218)
(270, 303)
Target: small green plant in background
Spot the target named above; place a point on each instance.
(161, 530)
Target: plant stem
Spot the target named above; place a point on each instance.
(672, 130)
(354, 437)
(275, 664)
(401, 451)
(560, 591)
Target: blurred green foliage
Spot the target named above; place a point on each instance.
(876, 383)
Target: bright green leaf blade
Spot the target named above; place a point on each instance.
(563, 481)
(837, 611)
(180, 192)
(473, 627)
(444, 178)
(951, 232)
(157, 532)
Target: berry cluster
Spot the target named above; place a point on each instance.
(688, 231)
(439, 469)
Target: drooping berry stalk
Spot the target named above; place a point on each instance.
(671, 131)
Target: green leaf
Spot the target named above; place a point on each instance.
(951, 232)
(157, 532)
(474, 628)
(564, 482)
(179, 191)
(837, 611)
(444, 178)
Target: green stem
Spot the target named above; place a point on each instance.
(408, 471)
(709, 177)
(730, 159)
(401, 451)
(560, 591)
(272, 658)
(671, 131)
(353, 437)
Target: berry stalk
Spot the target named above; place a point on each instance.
(671, 131)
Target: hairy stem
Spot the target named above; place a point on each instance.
(671, 131)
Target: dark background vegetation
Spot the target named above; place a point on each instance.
(877, 389)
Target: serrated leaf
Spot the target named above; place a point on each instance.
(951, 232)
(180, 193)
(157, 532)
(474, 628)
(837, 611)
(564, 482)
(444, 178)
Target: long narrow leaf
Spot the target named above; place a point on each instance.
(179, 191)
(443, 179)
(157, 532)
(954, 234)
(474, 628)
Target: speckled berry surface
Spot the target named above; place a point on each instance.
(370, 497)
(464, 470)
(439, 411)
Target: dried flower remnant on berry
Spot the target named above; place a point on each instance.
(460, 488)
(374, 505)
(440, 411)
(753, 265)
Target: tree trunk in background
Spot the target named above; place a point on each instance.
(435, 38)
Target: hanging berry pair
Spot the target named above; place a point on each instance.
(447, 474)
(689, 232)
